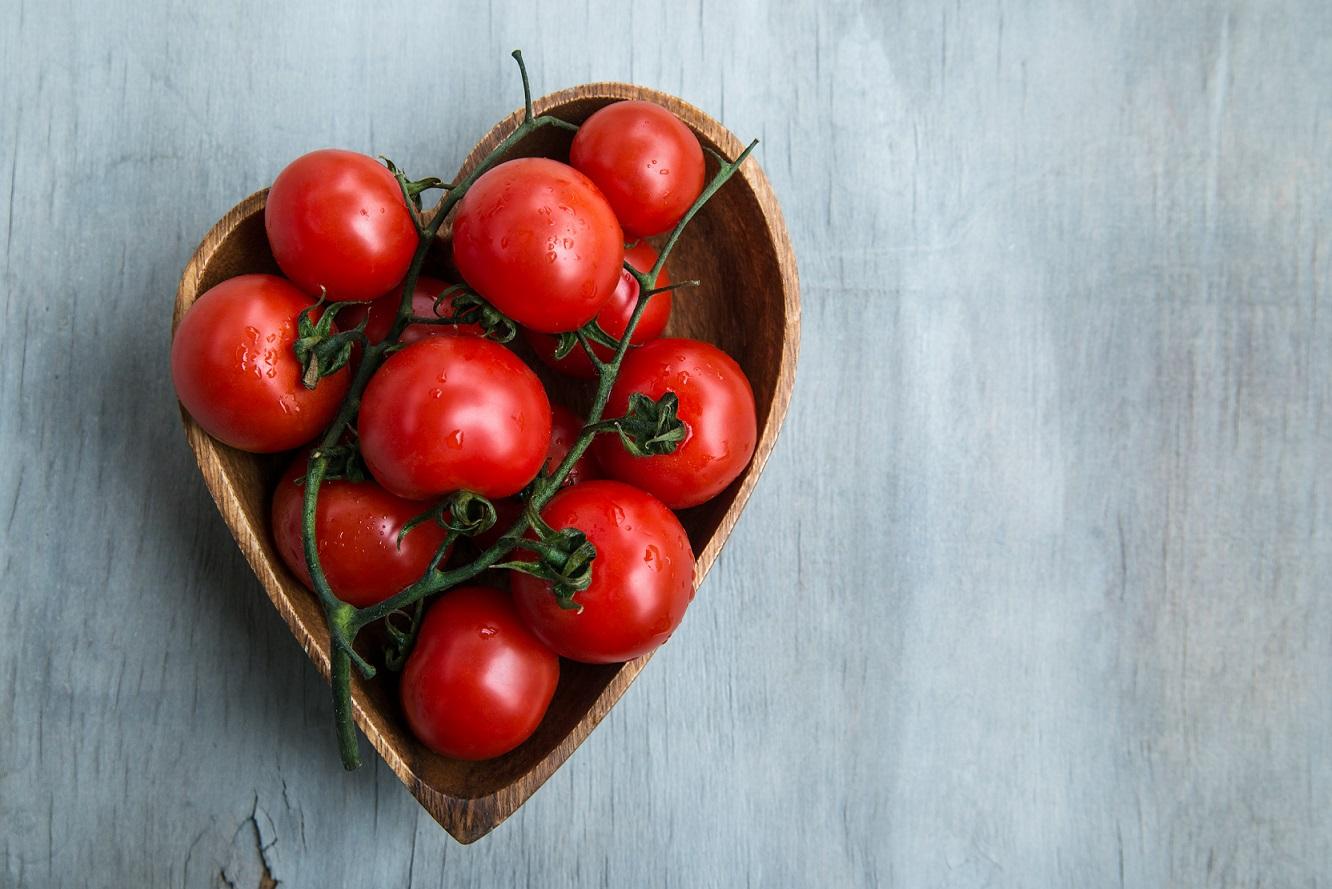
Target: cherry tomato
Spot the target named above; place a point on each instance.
(536, 238)
(716, 405)
(236, 372)
(646, 162)
(452, 413)
(477, 682)
(642, 577)
(383, 310)
(356, 532)
(613, 318)
(337, 220)
(565, 427)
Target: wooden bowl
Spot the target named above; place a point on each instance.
(748, 304)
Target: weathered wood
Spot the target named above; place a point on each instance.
(1033, 591)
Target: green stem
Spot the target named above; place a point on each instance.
(345, 621)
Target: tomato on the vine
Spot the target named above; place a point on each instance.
(235, 369)
(478, 682)
(381, 313)
(565, 427)
(647, 163)
(537, 239)
(642, 576)
(337, 220)
(356, 533)
(716, 405)
(452, 413)
(613, 318)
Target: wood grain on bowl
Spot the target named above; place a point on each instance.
(748, 304)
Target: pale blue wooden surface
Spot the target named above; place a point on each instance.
(1034, 593)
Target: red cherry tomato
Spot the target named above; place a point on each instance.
(645, 160)
(613, 318)
(477, 682)
(337, 220)
(536, 238)
(716, 405)
(452, 413)
(356, 532)
(565, 427)
(236, 372)
(642, 577)
(383, 310)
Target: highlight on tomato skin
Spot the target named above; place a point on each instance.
(478, 681)
(565, 427)
(647, 163)
(337, 223)
(716, 404)
(356, 532)
(235, 370)
(537, 239)
(642, 576)
(453, 413)
(613, 318)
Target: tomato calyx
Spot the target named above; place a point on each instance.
(344, 464)
(320, 349)
(564, 560)
(649, 427)
(469, 307)
(413, 188)
(462, 514)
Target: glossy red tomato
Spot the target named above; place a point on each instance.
(613, 318)
(478, 682)
(536, 238)
(646, 162)
(337, 220)
(384, 310)
(235, 370)
(716, 405)
(452, 413)
(356, 532)
(642, 577)
(565, 427)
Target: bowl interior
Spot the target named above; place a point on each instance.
(745, 304)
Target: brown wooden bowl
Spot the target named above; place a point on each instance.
(748, 304)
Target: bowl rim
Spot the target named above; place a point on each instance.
(468, 819)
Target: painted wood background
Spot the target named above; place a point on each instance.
(1035, 591)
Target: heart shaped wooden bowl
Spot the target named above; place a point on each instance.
(748, 304)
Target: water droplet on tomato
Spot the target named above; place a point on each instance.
(455, 439)
(488, 632)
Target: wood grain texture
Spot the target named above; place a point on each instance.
(738, 234)
(1034, 590)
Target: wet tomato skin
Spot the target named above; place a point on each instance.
(452, 413)
(235, 371)
(716, 404)
(337, 220)
(477, 682)
(645, 160)
(565, 427)
(642, 577)
(537, 239)
(613, 319)
(356, 531)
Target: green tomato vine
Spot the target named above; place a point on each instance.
(565, 558)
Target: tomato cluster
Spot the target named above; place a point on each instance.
(264, 363)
